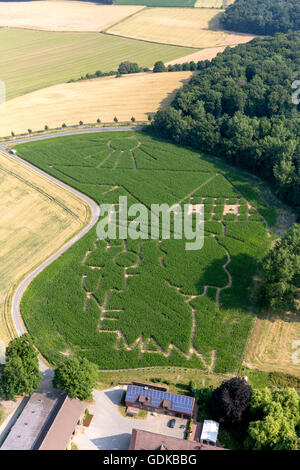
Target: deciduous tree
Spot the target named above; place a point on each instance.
(77, 376)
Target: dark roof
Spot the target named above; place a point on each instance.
(145, 440)
(170, 401)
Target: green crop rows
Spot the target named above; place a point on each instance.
(134, 303)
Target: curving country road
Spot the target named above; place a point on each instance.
(17, 296)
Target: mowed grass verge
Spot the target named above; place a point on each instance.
(273, 344)
(37, 217)
(31, 60)
(137, 95)
(144, 302)
(194, 27)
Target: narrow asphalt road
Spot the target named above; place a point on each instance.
(95, 211)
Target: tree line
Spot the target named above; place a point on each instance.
(128, 67)
(263, 419)
(239, 107)
(281, 267)
(266, 17)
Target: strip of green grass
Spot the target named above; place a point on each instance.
(30, 60)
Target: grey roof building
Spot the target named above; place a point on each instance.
(46, 423)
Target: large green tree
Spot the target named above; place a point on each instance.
(21, 374)
(159, 67)
(230, 402)
(276, 420)
(281, 267)
(77, 376)
(128, 67)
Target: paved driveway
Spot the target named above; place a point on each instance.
(109, 430)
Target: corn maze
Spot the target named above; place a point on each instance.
(146, 302)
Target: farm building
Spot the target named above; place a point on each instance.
(47, 422)
(150, 399)
(144, 440)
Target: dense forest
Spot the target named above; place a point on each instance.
(240, 107)
(263, 16)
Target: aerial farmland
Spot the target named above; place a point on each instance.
(186, 107)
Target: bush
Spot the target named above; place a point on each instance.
(279, 379)
(77, 376)
(230, 402)
(159, 67)
(128, 67)
(21, 374)
(275, 420)
(156, 380)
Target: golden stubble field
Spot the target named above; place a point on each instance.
(210, 3)
(130, 95)
(36, 218)
(275, 344)
(193, 27)
(63, 15)
(205, 54)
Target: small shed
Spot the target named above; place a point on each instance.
(131, 411)
(209, 433)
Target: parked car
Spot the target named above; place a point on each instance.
(171, 423)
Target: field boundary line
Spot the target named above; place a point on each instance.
(156, 42)
(125, 19)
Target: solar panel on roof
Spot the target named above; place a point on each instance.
(179, 402)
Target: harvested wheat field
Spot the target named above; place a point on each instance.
(132, 95)
(204, 54)
(69, 55)
(63, 16)
(37, 217)
(209, 4)
(191, 27)
(275, 345)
